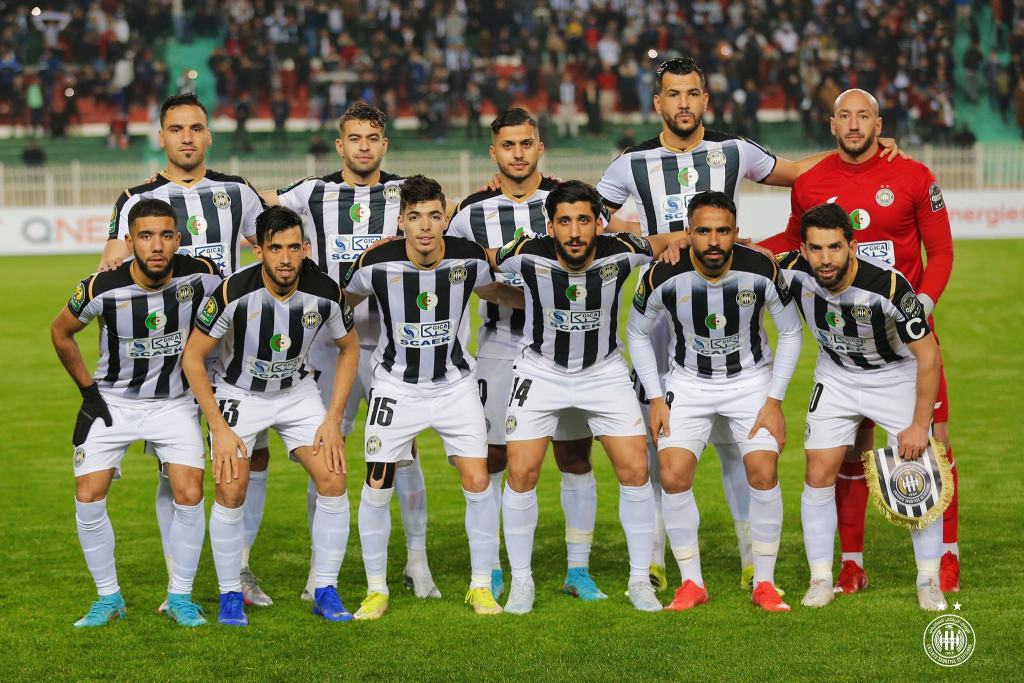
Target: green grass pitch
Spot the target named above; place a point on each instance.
(877, 635)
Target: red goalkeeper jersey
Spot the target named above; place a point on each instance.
(895, 208)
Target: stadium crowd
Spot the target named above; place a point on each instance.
(462, 57)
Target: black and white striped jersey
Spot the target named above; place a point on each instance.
(342, 221)
(717, 325)
(214, 213)
(493, 219)
(424, 312)
(143, 331)
(264, 340)
(865, 327)
(662, 180)
(572, 316)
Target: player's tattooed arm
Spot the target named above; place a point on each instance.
(227, 447)
(502, 294)
(914, 439)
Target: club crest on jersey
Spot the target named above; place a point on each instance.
(184, 293)
(79, 456)
(687, 177)
(861, 313)
(716, 158)
(311, 319)
(280, 342)
(359, 212)
(885, 197)
(196, 225)
(426, 301)
(746, 297)
(209, 312)
(834, 319)
(910, 483)
(715, 321)
(576, 292)
(457, 275)
(609, 271)
(510, 424)
(373, 444)
(156, 320)
(860, 219)
(392, 193)
(222, 200)
(78, 298)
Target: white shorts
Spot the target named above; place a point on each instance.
(839, 404)
(697, 406)
(397, 415)
(494, 377)
(601, 397)
(295, 413)
(169, 426)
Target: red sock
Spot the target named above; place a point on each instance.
(951, 517)
(851, 503)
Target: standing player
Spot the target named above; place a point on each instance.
(145, 309)
(570, 362)
(345, 212)
(492, 219)
(897, 208)
(214, 213)
(423, 378)
(715, 299)
(878, 360)
(662, 175)
(263, 320)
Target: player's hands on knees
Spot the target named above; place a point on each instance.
(890, 150)
(226, 452)
(93, 408)
(109, 264)
(658, 420)
(912, 442)
(674, 250)
(770, 417)
(331, 444)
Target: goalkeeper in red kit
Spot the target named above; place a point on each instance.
(895, 208)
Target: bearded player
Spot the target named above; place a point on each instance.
(895, 208)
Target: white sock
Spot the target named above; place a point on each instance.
(188, 530)
(765, 531)
(737, 496)
(311, 496)
(682, 522)
(482, 531)
(164, 515)
(818, 516)
(927, 550)
(252, 509)
(636, 514)
(412, 501)
(658, 551)
(519, 512)
(227, 534)
(330, 538)
(374, 533)
(496, 494)
(854, 557)
(579, 502)
(96, 535)
(951, 548)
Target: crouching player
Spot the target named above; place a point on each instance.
(721, 368)
(878, 360)
(264, 319)
(145, 308)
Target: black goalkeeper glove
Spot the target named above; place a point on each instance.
(93, 408)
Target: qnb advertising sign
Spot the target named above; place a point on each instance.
(54, 230)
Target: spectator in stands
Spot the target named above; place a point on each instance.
(567, 123)
(243, 110)
(972, 67)
(280, 110)
(317, 146)
(33, 155)
(627, 140)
